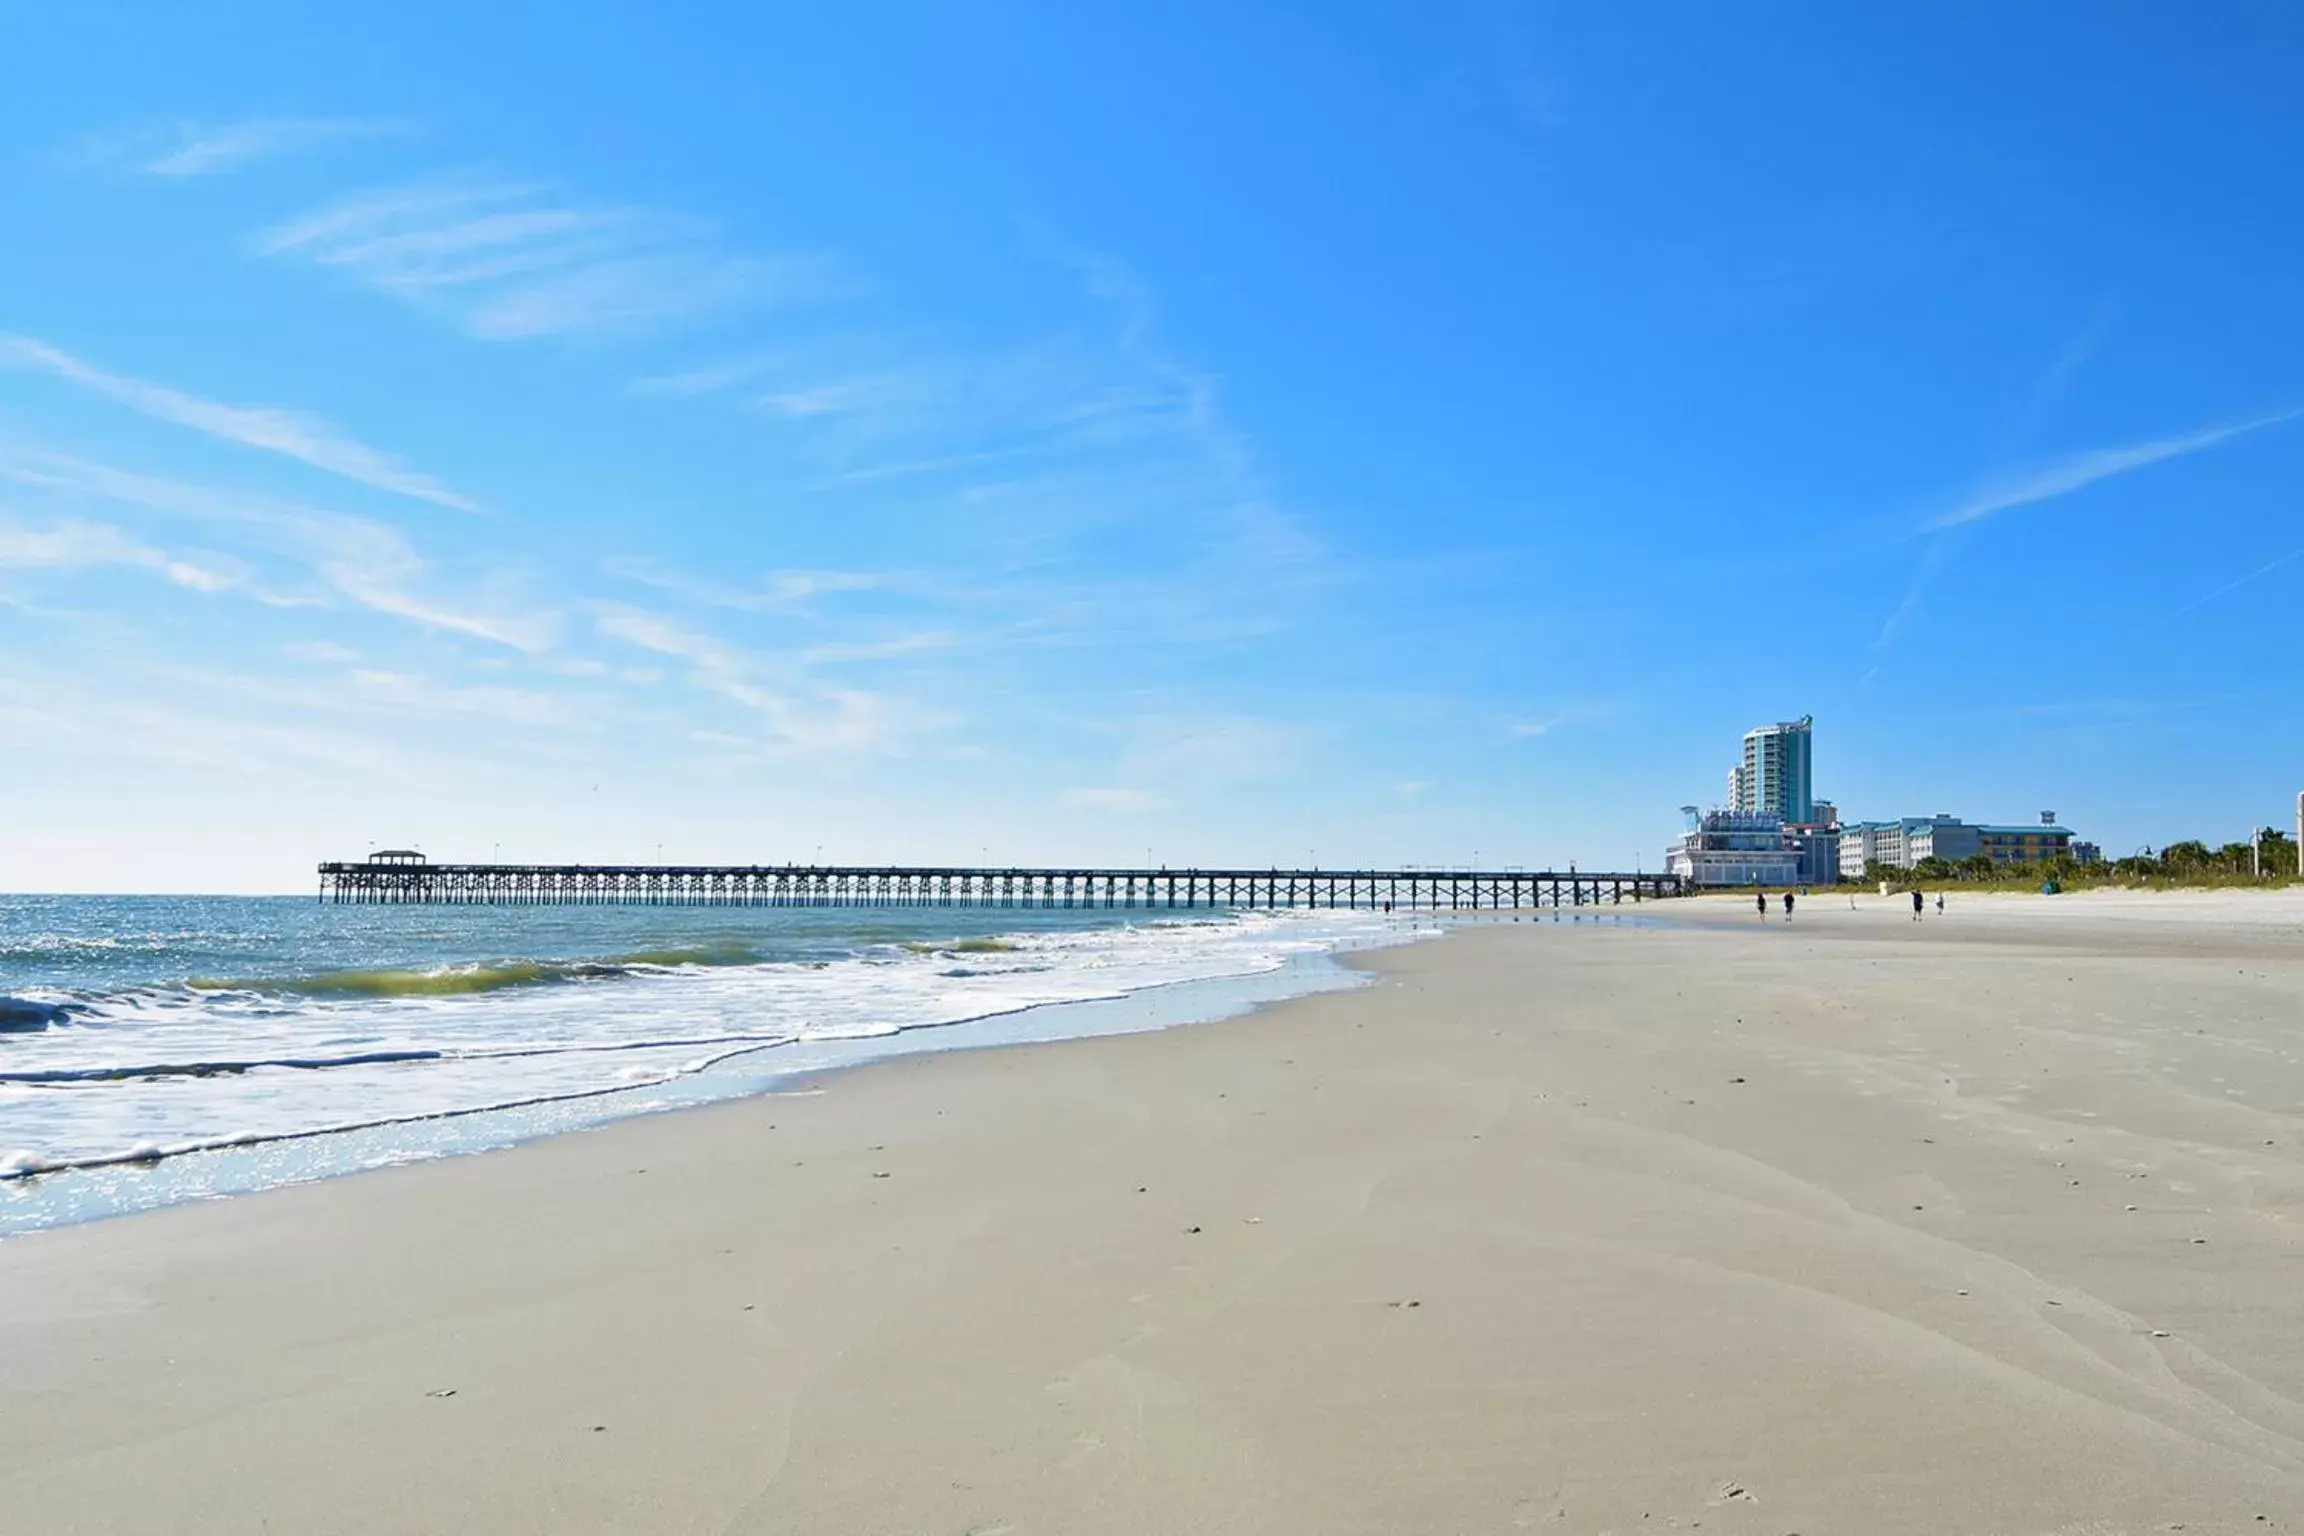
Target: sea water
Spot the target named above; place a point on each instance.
(155, 1049)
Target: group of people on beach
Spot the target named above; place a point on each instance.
(1918, 903)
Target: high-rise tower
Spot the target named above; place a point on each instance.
(1776, 774)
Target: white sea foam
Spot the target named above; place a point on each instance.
(162, 1071)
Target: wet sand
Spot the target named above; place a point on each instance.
(1985, 1224)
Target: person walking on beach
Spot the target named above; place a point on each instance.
(1787, 906)
(1939, 903)
(1763, 900)
(1916, 906)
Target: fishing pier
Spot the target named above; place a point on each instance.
(400, 877)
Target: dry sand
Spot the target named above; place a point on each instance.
(1984, 1225)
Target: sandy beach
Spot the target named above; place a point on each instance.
(1985, 1224)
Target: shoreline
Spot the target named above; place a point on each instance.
(1596, 1226)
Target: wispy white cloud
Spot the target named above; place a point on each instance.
(655, 632)
(176, 726)
(797, 714)
(1098, 426)
(840, 397)
(793, 593)
(907, 469)
(2046, 482)
(1587, 711)
(1099, 469)
(881, 650)
(510, 261)
(1935, 557)
(701, 381)
(1187, 407)
(2077, 472)
(296, 434)
(69, 544)
(78, 543)
(864, 399)
(370, 726)
(1110, 799)
(210, 577)
(187, 148)
(204, 149)
(2056, 380)
(405, 691)
(359, 560)
(383, 587)
(2237, 583)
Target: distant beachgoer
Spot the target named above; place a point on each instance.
(1939, 903)
(1763, 899)
(1787, 906)
(1916, 900)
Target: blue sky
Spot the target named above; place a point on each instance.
(1204, 433)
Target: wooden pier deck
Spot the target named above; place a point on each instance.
(404, 878)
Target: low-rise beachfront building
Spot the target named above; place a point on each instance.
(1731, 848)
(1903, 844)
(1940, 837)
(2024, 845)
(1859, 847)
(1889, 843)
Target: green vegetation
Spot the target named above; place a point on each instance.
(2187, 865)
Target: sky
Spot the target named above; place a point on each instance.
(1188, 434)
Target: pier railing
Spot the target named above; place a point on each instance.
(401, 880)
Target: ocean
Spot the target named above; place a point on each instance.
(155, 1049)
